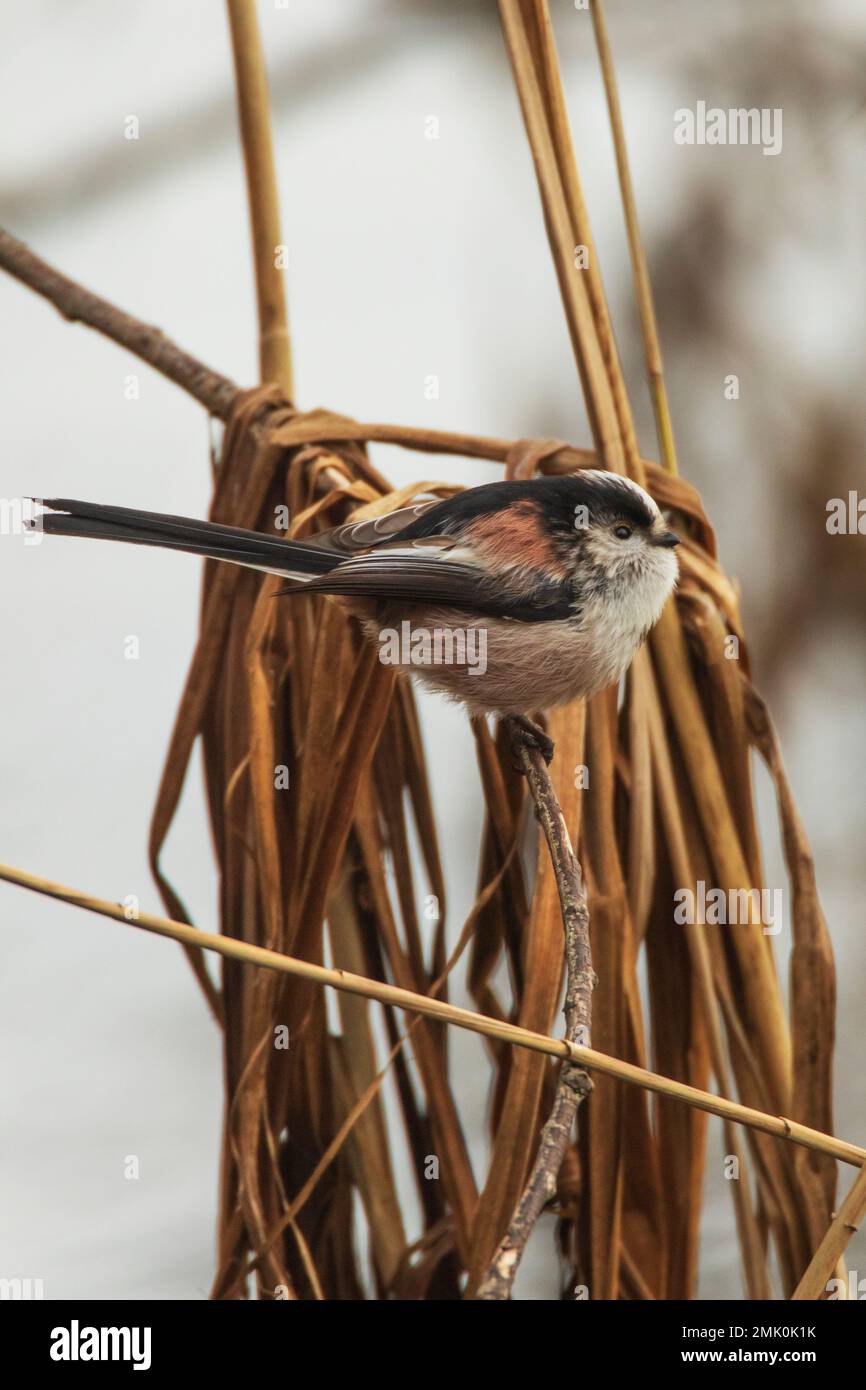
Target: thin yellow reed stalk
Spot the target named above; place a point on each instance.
(411, 1002)
(275, 354)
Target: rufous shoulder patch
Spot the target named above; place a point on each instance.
(516, 535)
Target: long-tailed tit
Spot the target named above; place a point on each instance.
(510, 597)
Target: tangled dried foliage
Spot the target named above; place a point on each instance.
(291, 685)
(329, 870)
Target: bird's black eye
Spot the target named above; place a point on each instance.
(622, 533)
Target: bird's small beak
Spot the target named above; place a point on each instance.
(668, 539)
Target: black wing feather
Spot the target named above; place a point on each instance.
(421, 577)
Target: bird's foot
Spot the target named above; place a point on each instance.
(526, 732)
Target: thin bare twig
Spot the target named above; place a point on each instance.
(574, 1082)
(214, 391)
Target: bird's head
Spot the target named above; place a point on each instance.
(620, 535)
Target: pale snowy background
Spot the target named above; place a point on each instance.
(408, 257)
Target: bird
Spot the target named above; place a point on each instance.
(510, 597)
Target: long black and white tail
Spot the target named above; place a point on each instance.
(253, 549)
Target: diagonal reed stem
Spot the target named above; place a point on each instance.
(776, 1125)
(844, 1225)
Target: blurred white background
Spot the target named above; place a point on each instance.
(408, 257)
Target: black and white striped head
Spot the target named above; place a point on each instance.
(619, 528)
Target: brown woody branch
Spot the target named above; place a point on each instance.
(79, 305)
(574, 1082)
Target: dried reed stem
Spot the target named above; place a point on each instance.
(751, 1243)
(574, 1082)
(640, 271)
(845, 1223)
(589, 357)
(776, 1125)
(275, 356)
